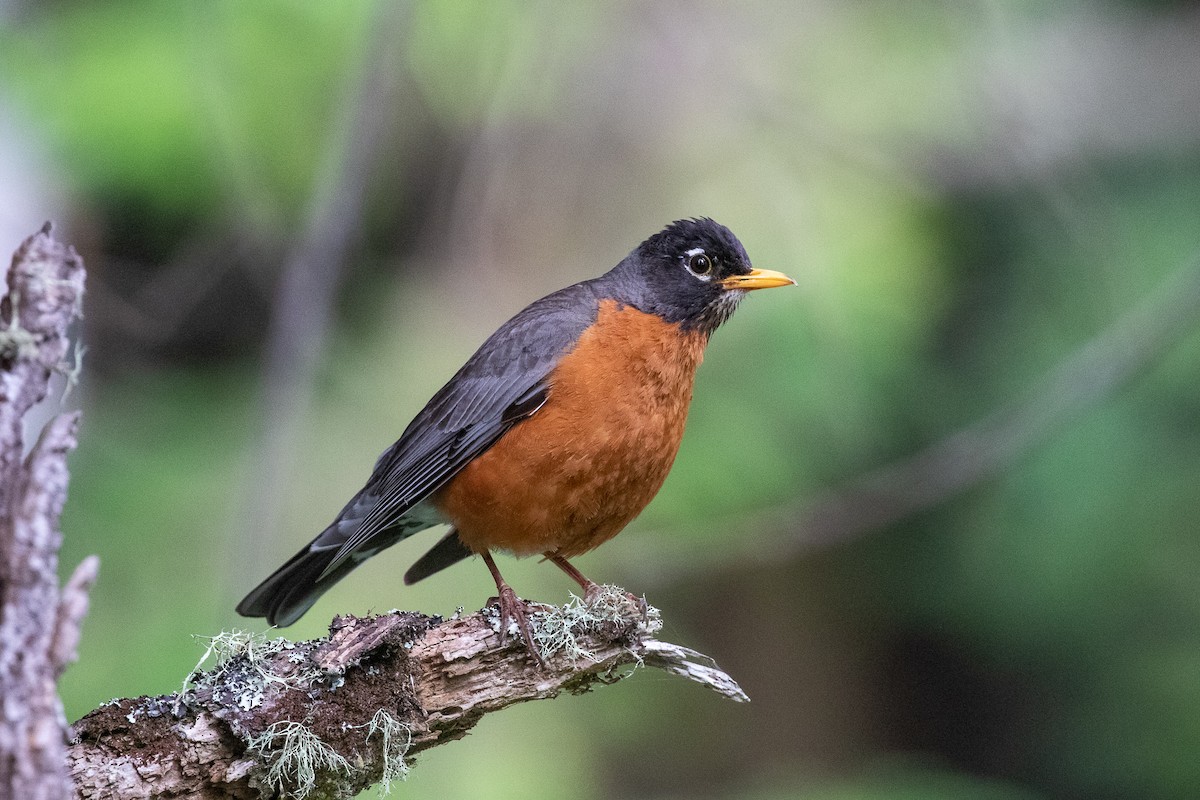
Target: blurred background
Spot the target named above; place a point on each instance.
(936, 508)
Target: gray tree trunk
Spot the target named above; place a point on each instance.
(39, 622)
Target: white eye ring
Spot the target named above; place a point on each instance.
(697, 262)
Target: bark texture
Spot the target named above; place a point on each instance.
(39, 624)
(329, 717)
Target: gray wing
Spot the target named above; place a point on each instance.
(504, 382)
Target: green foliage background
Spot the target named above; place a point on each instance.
(966, 193)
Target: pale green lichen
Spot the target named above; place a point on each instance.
(609, 613)
(17, 343)
(72, 371)
(296, 757)
(395, 739)
(243, 668)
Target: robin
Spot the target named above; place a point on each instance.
(552, 437)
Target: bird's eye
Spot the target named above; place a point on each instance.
(699, 264)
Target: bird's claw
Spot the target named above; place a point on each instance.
(513, 609)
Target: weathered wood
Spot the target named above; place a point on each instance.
(329, 717)
(39, 625)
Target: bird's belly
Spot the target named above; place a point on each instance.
(579, 470)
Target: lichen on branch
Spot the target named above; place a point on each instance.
(329, 717)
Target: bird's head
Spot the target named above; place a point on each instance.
(693, 272)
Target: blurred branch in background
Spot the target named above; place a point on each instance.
(965, 458)
(303, 306)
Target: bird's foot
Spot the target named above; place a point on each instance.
(513, 609)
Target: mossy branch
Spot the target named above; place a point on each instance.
(329, 717)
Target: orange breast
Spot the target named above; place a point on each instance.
(579, 470)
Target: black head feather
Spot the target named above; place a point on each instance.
(656, 276)
(685, 234)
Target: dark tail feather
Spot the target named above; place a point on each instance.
(450, 550)
(293, 588)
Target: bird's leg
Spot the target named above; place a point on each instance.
(590, 587)
(511, 608)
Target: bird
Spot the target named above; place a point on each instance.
(552, 437)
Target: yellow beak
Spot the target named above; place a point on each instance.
(757, 279)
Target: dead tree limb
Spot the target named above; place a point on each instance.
(39, 625)
(329, 717)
